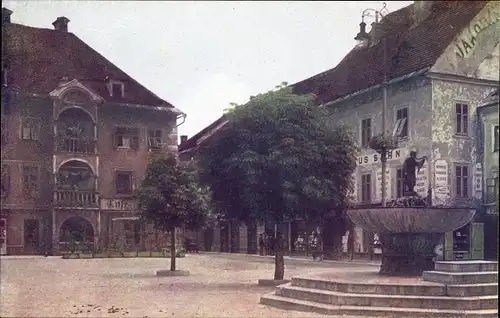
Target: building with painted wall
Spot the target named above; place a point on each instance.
(77, 133)
(442, 61)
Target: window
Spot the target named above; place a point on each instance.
(366, 188)
(462, 181)
(30, 130)
(496, 140)
(30, 179)
(127, 138)
(5, 181)
(401, 126)
(366, 132)
(117, 89)
(4, 76)
(399, 183)
(154, 139)
(124, 182)
(462, 119)
(491, 190)
(4, 129)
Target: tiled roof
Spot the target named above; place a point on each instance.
(409, 48)
(206, 132)
(38, 59)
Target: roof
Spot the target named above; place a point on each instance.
(203, 134)
(38, 59)
(410, 48)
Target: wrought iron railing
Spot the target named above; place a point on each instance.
(77, 145)
(76, 198)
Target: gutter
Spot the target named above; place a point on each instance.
(392, 81)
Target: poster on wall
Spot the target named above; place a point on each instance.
(478, 181)
(378, 187)
(441, 183)
(422, 186)
(3, 237)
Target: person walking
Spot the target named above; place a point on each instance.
(261, 244)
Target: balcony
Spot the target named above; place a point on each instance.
(76, 145)
(76, 199)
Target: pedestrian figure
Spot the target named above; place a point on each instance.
(316, 247)
(261, 244)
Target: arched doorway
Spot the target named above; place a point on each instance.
(76, 233)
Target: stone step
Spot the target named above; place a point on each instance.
(399, 301)
(466, 266)
(467, 290)
(460, 277)
(389, 312)
(423, 289)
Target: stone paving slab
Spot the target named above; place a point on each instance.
(217, 287)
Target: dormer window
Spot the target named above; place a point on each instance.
(116, 89)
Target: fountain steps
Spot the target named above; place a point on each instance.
(462, 290)
(378, 300)
(455, 293)
(460, 277)
(466, 266)
(369, 311)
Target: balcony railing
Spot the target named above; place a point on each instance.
(76, 198)
(76, 145)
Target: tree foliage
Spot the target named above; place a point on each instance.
(171, 197)
(279, 158)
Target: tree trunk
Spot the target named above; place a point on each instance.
(172, 250)
(279, 261)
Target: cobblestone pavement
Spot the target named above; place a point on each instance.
(217, 287)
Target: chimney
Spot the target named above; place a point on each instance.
(61, 24)
(6, 15)
(376, 33)
(421, 10)
(184, 138)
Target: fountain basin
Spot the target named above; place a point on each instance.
(411, 220)
(408, 235)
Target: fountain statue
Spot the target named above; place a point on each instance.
(409, 229)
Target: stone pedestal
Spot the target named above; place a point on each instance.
(408, 254)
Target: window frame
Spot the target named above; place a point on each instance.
(158, 139)
(366, 143)
(462, 187)
(126, 133)
(32, 126)
(366, 185)
(131, 182)
(399, 184)
(464, 124)
(5, 181)
(496, 138)
(30, 186)
(401, 125)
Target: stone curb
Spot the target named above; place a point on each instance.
(296, 260)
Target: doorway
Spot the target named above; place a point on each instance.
(31, 236)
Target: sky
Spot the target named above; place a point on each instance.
(202, 55)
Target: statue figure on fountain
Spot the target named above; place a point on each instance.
(410, 171)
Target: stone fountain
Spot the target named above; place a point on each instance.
(408, 228)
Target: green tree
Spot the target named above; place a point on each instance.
(171, 197)
(278, 159)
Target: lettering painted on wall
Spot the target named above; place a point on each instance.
(118, 204)
(466, 42)
(378, 185)
(478, 181)
(441, 183)
(422, 186)
(396, 154)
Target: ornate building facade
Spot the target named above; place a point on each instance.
(77, 134)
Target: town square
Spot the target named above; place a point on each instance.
(250, 159)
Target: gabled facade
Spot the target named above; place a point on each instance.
(77, 133)
(442, 61)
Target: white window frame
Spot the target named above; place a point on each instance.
(30, 129)
(399, 124)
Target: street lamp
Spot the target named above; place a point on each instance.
(363, 39)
